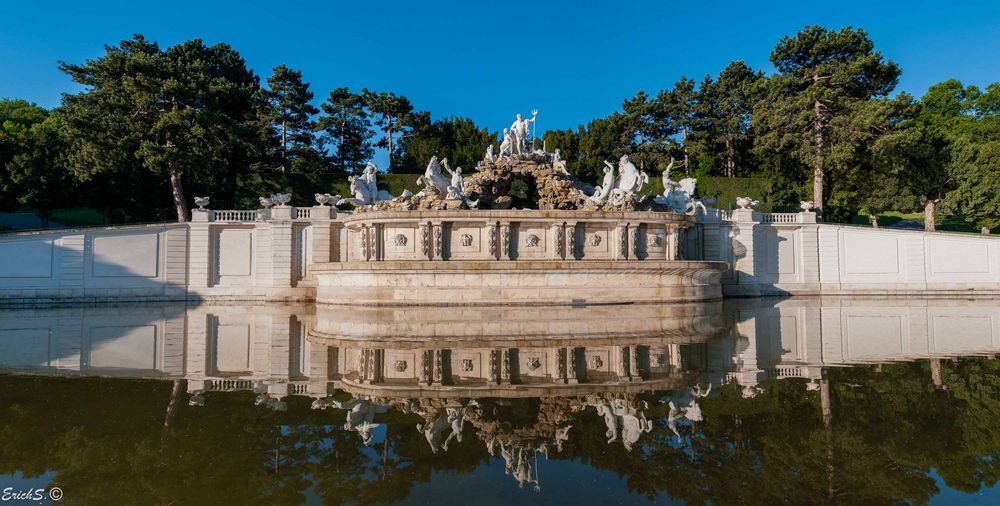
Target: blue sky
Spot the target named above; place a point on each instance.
(573, 60)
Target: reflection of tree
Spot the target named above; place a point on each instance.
(890, 428)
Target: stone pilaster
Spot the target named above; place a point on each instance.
(282, 243)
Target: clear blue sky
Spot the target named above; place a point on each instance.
(573, 60)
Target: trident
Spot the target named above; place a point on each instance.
(534, 116)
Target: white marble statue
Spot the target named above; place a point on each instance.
(433, 178)
(607, 184)
(365, 188)
(630, 178)
(679, 195)
(456, 178)
(629, 182)
(507, 145)
(684, 406)
(519, 129)
(558, 163)
(746, 202)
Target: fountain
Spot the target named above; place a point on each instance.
(461, 240)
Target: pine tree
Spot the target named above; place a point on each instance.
(822, 77)
(290, 114)
(346, 130)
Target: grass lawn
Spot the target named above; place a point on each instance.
(945, 223)
(77, 217)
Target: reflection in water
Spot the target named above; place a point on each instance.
(798, 400)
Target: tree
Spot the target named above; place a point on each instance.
(459, 140)
(727, 104)
(290, 114)
(180, 112)
(394, 115)
(822, 76)
(969, 121)
(346, 128)
(32, 171)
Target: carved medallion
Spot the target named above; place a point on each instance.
(534, 363)
(660, 359)
(399, 240)
(654, 240)
(596, 362)
(532, 241)
(400, 365)
(595, 240)
(466, 365)
(466, 240)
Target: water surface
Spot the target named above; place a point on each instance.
(801, 401)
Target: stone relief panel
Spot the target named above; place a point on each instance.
(401, 243)
(532, 241)
(533, 364)
(597, 360)
(468, 241)
(596, 241)
(400, 365)
(466, 365)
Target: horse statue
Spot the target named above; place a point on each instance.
(432, 176)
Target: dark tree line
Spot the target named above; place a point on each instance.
(154, 122)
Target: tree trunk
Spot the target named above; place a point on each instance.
(930, 205)
(818, 165)
(43, 215)
(178, 189)
(389, 133)
(874, 219)
(730, 158)
(936, 374)
(175, 395)
(284, 145)
(684, 136)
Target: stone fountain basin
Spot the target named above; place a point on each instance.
(521, 282)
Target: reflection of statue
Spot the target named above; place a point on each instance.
(620, 415)
(360, 416)
(684, 405)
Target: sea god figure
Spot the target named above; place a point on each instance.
(520, 130)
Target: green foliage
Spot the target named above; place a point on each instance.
(288, 112)
(346, 130)
(249, 187)
(459, 140)
(188, 111)
(32, 163)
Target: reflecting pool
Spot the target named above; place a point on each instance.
(797, 400)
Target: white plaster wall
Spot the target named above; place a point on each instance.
(804, 259)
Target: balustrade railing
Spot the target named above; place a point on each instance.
(779, 217)
(227, 385)
(236, 215)
(303, 213)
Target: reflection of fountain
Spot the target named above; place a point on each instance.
(359, 417)
(622, 416)
(684, 405)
